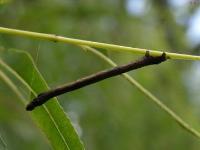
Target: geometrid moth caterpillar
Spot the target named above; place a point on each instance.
(144, 61)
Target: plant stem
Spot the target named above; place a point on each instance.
(56, 38)
(151, 97)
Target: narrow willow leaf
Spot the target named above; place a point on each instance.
(51, 118)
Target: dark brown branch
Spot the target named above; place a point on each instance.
(145, 61)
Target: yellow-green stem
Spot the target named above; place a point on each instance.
(151, 97)
(79, 42)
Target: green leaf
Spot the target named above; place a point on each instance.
(50, 118)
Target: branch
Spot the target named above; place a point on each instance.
(56, 38)
(150, 96)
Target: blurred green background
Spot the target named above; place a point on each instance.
(111, 114)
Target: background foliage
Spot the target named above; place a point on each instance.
(111, 114)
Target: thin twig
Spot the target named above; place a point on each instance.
(78, 42)
(147, 93)
(145, 61)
